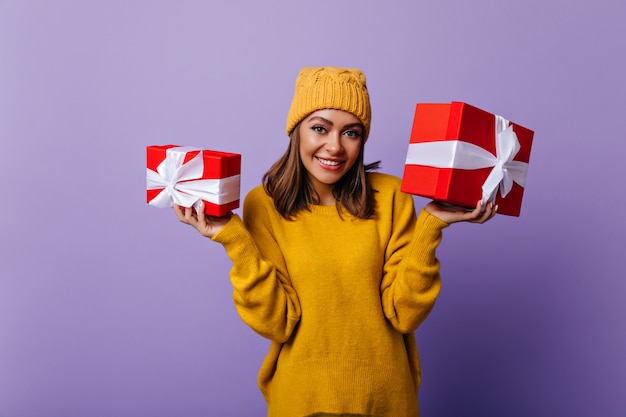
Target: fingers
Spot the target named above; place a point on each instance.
(478, 211)
(480, 216)
(494, 211)
(186, 215)
(180, 212)
(201, 218)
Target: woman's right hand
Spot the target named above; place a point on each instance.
(208, 226)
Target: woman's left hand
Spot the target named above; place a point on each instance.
(451, 215)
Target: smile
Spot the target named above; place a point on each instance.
(328, 162)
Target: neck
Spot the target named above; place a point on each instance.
(325, 195)
(329, 201)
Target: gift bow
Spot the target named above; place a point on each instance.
(181, 185)
(464, 155)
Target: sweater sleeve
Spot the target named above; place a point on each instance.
(411, 281)
(263, 294)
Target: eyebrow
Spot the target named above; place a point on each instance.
(348, 126)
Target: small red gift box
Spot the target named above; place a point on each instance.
(459, 154)
(187, 176)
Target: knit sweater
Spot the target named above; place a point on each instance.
(339, 297)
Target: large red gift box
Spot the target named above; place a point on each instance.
(459, 154)
(187, 176)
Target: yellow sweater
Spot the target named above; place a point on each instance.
(339, 298)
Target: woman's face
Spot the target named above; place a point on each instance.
(330, 142)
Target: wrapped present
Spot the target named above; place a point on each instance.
(459, 154)
(187, 176)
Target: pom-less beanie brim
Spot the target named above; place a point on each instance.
(320, 88)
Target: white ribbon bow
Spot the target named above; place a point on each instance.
(458, 154)
(176, 180)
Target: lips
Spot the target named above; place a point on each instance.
(329, 162)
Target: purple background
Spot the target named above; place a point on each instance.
(109, 307)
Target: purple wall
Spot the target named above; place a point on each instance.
(109, 307)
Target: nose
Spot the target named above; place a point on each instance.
(333, 143)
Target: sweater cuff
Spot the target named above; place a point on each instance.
(429, 221)
(428, 234)
(231, 231)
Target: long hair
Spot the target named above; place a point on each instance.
(287, 182)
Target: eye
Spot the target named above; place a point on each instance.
(353, 133)
(318, 129)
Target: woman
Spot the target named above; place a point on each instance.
(331, 262)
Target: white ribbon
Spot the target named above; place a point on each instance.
(458, 154)
(181, 185)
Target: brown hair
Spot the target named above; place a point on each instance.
(288, 184)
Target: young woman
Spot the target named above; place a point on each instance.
(331, 262)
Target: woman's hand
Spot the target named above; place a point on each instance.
(208, 226)
(451, 215)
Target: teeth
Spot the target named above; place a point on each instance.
(327, 162)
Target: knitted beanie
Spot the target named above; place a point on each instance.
(320, 88)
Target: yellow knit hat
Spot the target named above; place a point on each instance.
(320, 88)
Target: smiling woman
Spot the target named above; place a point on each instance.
(327, 101)
(332, 264)
(330, 144)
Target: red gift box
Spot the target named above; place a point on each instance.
(459, 154)
(187, 176)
